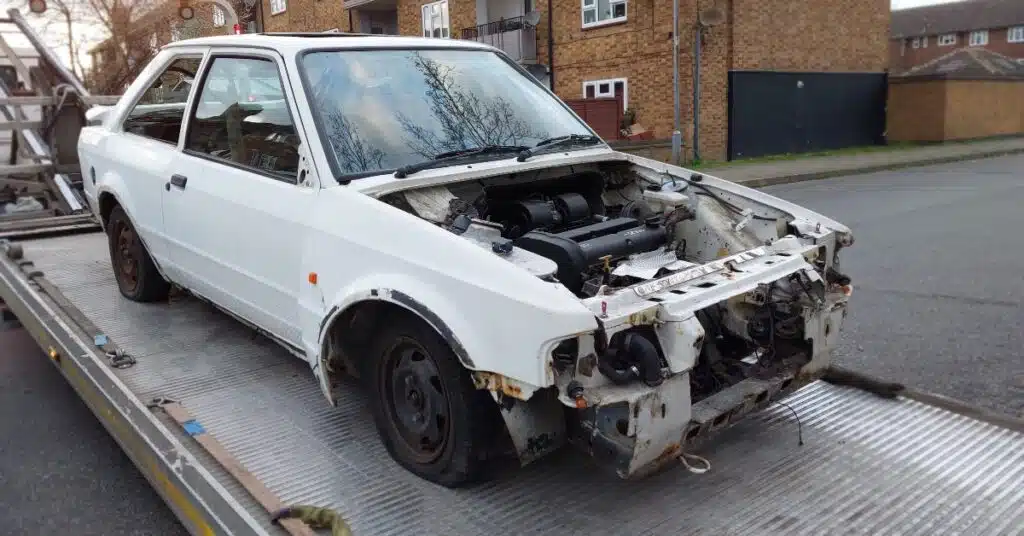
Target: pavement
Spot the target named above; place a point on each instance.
(766, 173)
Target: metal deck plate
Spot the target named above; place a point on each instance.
(868, 465)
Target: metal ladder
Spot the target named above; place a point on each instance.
(42, 106)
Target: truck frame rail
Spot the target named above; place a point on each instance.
(867, 464)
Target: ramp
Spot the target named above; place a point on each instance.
(866, 466)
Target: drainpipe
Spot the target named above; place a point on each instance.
(677, 136)
(351, 28)
(696, 92)
(551, 46)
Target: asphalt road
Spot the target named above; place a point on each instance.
(938, 271)
(60, 472)
(938, 274)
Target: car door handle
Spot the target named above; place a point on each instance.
(178, 181)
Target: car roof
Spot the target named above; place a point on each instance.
(290, 42)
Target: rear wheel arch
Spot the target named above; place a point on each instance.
(107, 201)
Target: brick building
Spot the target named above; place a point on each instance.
(623, 48)
(922, 34)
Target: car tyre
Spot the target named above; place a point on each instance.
(136, 275)
(429, 415)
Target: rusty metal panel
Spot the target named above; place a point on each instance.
(867, 465)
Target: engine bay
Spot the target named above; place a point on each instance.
(600, 228)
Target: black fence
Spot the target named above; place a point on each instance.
(785, 112)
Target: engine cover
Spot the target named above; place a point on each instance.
(577, 249)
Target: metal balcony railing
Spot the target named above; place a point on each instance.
(515, 36)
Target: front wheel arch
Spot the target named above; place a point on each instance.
(351, 343)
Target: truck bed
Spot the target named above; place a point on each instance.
(867, 466)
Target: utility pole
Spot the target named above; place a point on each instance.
(677, 136)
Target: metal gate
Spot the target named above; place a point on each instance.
(774, 112)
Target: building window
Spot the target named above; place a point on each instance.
(915, 42)
(947, 39)
(924, 42)
(979, 38)
(600, 12)
(435, 19)
(1015, 34)
(605, 89)
(219, 19)
(278, 6)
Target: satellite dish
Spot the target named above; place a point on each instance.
(37, 6)
(711, 16)
(186, 13)
(532, 18)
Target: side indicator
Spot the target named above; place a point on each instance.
(312, 278)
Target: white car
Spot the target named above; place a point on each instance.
(425, 216)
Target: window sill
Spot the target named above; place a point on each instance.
(272, 14)
(603, 23)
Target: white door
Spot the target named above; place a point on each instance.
(234, 208)
(144, 151)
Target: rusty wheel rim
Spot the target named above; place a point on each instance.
(416, 401)
(126, 261)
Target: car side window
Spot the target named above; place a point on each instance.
(161, 110)
(241, 116)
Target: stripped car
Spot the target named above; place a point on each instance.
(425, 216)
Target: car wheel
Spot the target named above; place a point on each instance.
(430, 417)
(137, 276)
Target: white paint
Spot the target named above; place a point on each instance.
(248, 242)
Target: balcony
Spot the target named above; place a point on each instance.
(515, 36)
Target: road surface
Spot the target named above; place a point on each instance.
(938, 275)
(938, 272)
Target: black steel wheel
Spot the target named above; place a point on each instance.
(415, 398)
(429, 415)
(136, 275)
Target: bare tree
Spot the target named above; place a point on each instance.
(466, 119)
(134, 31)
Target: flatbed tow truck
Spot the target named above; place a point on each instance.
(227, 427)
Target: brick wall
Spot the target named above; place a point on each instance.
(756, 34)
(461, 14)
(810, 35)
(800, 35)
(905, 57)
(307, 16)
(938, 110)
(916, 111)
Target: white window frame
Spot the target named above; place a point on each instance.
(915, 43)
(428, 12)
(611, 89)
(946, 40)
(1015, 34)
(924, 42)
(219, 17)
(278, 6)
(591, 6)
(978, 38)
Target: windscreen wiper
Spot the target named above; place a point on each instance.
(558, 141)
(442, 159)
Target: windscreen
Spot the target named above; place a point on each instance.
(383, 109)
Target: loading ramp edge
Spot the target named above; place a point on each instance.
(201, 503)
(186, 484)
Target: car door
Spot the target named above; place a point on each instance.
(142, 151)
(234, 207)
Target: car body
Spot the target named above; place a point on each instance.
(424, 216)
